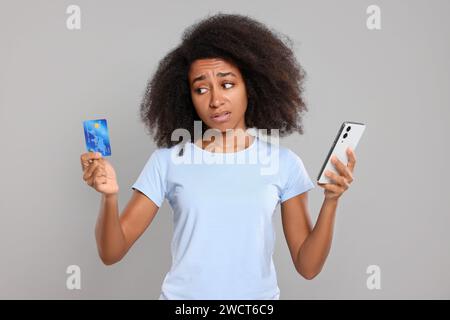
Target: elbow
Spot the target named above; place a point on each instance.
(109, 260)
(308, 274)
(109, 255)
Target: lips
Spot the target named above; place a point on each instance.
(221, 117)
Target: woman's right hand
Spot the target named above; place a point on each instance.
(99, 173)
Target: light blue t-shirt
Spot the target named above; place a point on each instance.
(223, 233)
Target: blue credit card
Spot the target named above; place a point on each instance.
(97, 136)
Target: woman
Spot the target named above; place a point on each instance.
(230, 73)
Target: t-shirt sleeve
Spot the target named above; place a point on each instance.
(152, 179)
(296, 178)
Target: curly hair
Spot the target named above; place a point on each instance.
(273, 77)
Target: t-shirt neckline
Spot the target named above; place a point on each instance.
(229, 153)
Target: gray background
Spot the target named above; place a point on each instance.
(396, 80)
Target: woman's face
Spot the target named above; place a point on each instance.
(217, 88)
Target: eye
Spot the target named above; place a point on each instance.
(198, 90)
(224, 84)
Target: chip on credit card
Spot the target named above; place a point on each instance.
(97, 136)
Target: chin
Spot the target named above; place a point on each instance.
(222, 128)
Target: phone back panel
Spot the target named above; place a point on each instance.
(340, 145)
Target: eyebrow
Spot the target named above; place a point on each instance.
(220, 74)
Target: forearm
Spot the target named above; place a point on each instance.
(314, 250)
(111, 242)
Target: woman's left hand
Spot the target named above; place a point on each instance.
(342, 181)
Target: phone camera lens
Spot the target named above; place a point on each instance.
(345, 135)
(348, 128)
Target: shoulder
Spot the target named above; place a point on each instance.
(285, 154)
(163, 155)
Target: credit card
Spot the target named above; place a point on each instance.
(97, 136)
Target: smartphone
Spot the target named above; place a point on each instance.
(348, 136)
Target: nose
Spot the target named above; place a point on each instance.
(216, 98)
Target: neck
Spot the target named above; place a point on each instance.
(230, 142)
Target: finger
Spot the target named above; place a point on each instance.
(90, 180)
(341, 168)
(91, 169)
(333, 188)
(339, 180)
(99, 181)
(351, 159)
(98, 173)
(95, 180)
(86, 158)
(101, 172)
